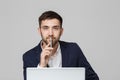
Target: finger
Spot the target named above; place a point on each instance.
(48, 45)
(46, 53)
(49, 51)
(48, 48)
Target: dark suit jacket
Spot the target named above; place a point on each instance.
(72, 56)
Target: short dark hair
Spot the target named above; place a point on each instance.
(50, 15)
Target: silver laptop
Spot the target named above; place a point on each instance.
(55, 73)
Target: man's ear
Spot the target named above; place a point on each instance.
(61, 31)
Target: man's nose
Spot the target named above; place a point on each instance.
(50, 32)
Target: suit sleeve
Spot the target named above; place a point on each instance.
(82, 62)
(24, 67)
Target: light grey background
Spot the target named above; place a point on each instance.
(93, 24)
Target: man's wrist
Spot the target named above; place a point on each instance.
(42, 65)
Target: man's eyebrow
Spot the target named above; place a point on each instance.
(44, 26)
(56, 26)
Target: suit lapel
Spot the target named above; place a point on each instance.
(64, 53)
(38, 52)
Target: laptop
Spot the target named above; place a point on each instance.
(56, 73)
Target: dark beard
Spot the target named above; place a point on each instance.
(54, 42)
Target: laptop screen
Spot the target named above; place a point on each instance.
(55, 73)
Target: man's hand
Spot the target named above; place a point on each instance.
(45, 55)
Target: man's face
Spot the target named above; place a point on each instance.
(50, 28)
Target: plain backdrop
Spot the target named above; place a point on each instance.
(93, 24)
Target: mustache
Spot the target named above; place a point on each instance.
(50, 37)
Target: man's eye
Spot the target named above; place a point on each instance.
(56, 28)
(45, 27)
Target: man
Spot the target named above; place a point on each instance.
(51, 52)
